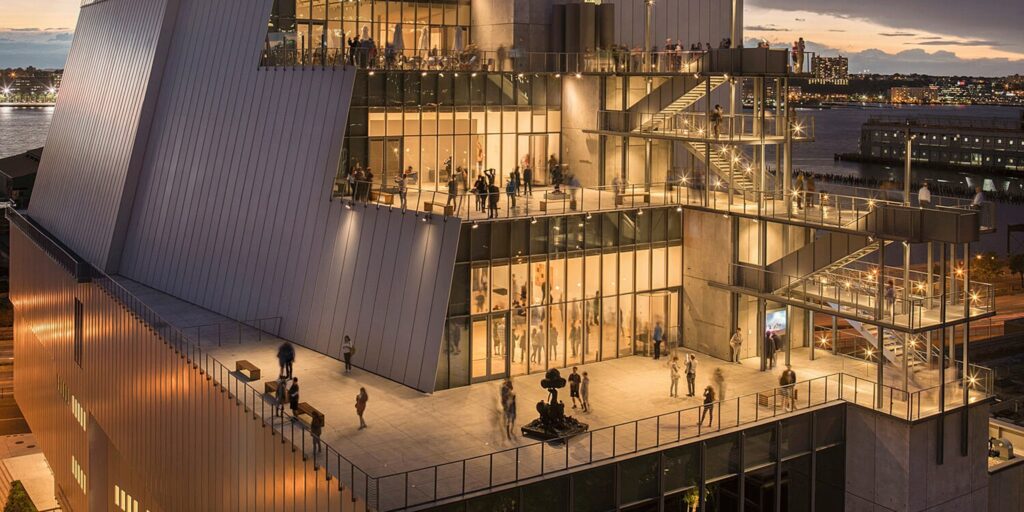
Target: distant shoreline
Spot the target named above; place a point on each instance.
(27, 105)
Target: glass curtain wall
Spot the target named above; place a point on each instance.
(528, 295)
(329, 24)
(435, 124)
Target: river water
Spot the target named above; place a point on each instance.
(837, 130)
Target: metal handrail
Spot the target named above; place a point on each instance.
(74, 265)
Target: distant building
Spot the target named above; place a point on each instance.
(996, 144)
(29, 84)
(830, 70)
(915, 95)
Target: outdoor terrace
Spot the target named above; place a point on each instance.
(422, 448)
(842, 210)
(697, 127)
(720, 61)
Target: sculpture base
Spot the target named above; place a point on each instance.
(567, 428)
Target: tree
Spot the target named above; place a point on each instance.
(18, 500)
(1017, 266)
(986, 266)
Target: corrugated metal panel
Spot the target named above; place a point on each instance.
(85, 181)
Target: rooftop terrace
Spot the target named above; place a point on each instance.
(420, 448)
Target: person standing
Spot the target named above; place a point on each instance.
(293, 396)
(673, 389)
(924, 196)
(716, 120)
(691, 374)
(735, 344)
(585, 392)
(890, 297)
(286, 358)
(493, 194)
(527, 181)
(979, 197)
(316, 428)
(574, 386)
(510, 191)
(709, 406)
(576, 338)
(787, 382)
(517, 179)
(453, 190)
(280, 396)
(659, 333)
(812, 189)
(347, 351)
(402, 190)
(769, 349)
(361, 400)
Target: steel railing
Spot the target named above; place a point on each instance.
(760, 61)
(701, 126)
(232, 331)
(504, 467)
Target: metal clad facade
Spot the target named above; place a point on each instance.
(98, 133)
(158, 428)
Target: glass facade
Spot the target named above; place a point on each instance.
(796, 465)
(313, 24)
(551, 292)
(437, 123)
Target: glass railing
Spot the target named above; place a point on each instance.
(716, 61)
(702, 127)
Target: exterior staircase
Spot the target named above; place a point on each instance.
(731, 174)
(681, 103)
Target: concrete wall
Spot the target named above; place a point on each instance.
(157, 428)
(1006, 489)
(707, 310)
(891, 464)
(581, 101)
(521, 24)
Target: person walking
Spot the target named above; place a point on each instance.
(510, 414)
(293, 396)
(924, 196)
(735, 344)
(347, 351)
(709, 406)
(673, 388)
(658, 334)
(718, 378)
(316, 428)
(361, 400)
(691, 374)
(286, 358)
(280, 396)
(585, 392)
(574, 386)
(798, 191)
(787, 381)
(576, 338)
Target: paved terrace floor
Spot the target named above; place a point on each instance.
(410, 430)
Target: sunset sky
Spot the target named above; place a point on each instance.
(981, 37)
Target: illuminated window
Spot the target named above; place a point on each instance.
(124, 501)
(79, 474)
(78, 411)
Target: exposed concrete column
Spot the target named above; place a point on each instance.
(906, 167)
(965, 378)
(787, 162)
(879, 314)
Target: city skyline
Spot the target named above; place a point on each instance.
(958, 39)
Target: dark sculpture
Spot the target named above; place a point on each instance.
(553, 423)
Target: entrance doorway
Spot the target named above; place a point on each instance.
(490, 347)
(652, 308)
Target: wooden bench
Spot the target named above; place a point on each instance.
(270, 388)
(553, 198)
(314, 415)
(244, 367)
(382, 197)
(429, 207)
(645, 197)
(768, 399)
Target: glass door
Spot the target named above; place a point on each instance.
(654, 309)
(385, 160)
(490, 347)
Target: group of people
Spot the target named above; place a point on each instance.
(287, 389)
(689, 368)
(357, 183)
(804, 190)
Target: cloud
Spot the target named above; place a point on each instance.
(836, 30)
(765, 28)
(30, 29)
(34, 47)
(954, 42)
(897, 34)
(992, 20)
